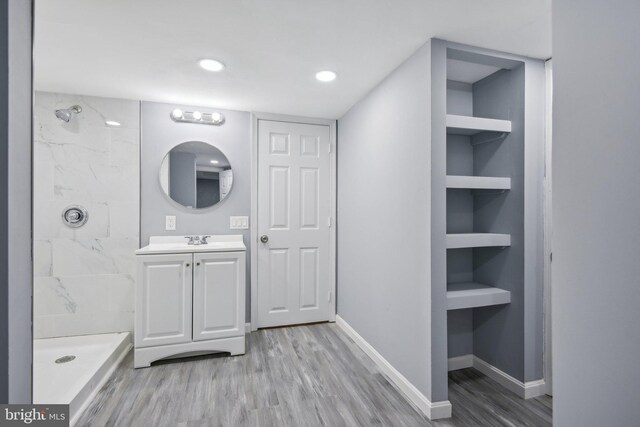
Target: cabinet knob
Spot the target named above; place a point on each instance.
(197, 264)
(264, 238)
(188, 264)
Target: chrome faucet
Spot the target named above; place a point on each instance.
(193, 240)
(197, 240)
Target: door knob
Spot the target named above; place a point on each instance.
(264, 238)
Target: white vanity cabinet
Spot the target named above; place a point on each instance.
(218, 295)
(190, 299)
(163, 299)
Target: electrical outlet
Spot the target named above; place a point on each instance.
(170, 222)
(239, 222)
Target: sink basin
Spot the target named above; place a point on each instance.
(178, 244)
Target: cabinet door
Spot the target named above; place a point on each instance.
(218, 295)
(163, 299)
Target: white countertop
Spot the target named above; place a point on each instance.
(178, 244)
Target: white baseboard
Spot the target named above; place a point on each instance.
(433, 410)
(535, 388)
(524, 390)
(460, 362)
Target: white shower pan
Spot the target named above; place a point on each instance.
(75, 382)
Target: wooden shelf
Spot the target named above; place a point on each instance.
(466, 125)
(478, 182)
(477, 240)
(471, 294)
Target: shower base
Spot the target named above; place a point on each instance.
(75, 380)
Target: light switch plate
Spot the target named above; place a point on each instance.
(239, 222)
(170, 222)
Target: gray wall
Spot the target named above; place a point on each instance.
(15, 193)
(498, 336)
(4, 211)
(384, 242)
(158, 135)
(459, 330)
(20, 177)
(596, 205)
(438, 220)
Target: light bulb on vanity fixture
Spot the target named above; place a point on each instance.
(112, 123)
(214, 118)
(177, 114)
(214, 162)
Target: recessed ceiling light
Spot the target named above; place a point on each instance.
(112, 123)
(215, 162)
(326, 76)
(211, 65)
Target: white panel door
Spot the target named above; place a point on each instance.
(163, 299)
(218, 295)
(294, 209)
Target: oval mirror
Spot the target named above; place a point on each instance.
(196, 175)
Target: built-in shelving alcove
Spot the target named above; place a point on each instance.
(488, 270)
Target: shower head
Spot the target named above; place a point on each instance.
(66, 114)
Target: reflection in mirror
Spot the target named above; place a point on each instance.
(196, 175)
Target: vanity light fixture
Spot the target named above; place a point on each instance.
(112, 123)
(211, 65)
(326, 76)
(180, 116)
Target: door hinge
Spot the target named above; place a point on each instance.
(329, 296)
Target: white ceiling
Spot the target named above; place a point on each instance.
(148, 49)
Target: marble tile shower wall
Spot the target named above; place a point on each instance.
(84, 278)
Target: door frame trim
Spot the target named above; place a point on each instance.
(253, 227)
